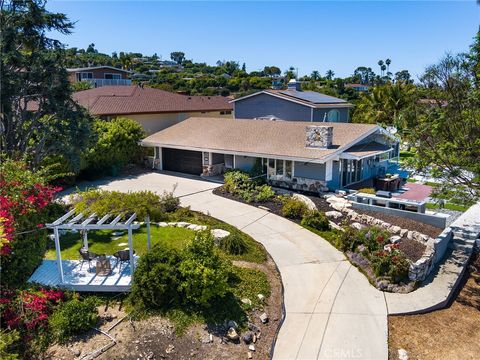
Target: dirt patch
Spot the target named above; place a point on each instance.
(155, 337)
(274, 206)
(451, 333)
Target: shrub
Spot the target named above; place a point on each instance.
(73, 317)
(235, 181)
(234, 244)
(264, 193)
(156, 280)
(373, 238)
(316, 220)
(393, 264)
(8, 339)
(204, 273)
(348, 240)
(294, 209)
(169, 202)
(239, 183)
(116, 145)
(367, 191)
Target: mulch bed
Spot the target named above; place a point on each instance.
(412, 249)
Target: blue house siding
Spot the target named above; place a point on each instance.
(309, 170)
(335, 182)
(264, 105)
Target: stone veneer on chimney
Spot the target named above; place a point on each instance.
(319, 136)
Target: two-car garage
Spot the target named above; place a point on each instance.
(185, 161)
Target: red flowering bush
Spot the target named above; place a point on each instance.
(25, 206)
(393, 264)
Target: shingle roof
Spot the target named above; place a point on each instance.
(117, 100)
(309, 98)
(96, 68)
(260, 137)
(367, 149)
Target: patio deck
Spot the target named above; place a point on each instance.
(79, 277)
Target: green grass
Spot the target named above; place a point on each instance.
(410, 180)
(448, 206)
(101, 242)
(329, 235)
(248, 283)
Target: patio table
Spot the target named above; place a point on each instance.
(103, 266)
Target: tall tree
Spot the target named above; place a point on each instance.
(315, 75)
(448, 133)
(329, 74)
(178, 57)
(38, 116)
(381, 65)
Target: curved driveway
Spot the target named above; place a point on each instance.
(332, 312)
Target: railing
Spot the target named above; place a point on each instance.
(109, 82)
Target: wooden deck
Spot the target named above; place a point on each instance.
(79, 277)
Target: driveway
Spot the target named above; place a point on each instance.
(332, 312)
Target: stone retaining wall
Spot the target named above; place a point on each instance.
(301, 184)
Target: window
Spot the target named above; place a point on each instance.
(333, 116)
(279, 164)
(351, 171)
(84, 75)
(226, 112)
(271, 167)
(288, 169)
(112, 76)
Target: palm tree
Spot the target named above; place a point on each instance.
(380, 63)
(388, 62)
(330, 74)
(315, 75)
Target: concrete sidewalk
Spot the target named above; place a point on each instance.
(332, 312)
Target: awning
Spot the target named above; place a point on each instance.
(365, 150)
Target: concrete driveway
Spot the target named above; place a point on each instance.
(332, 312)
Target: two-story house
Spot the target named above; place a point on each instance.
(292, 104)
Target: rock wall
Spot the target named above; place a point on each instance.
(213, 170)
(301, 184)
(319, 136)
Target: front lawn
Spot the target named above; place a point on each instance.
(103, 242)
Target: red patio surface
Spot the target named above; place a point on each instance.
(417, 192)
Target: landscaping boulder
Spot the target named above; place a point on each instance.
(232, 324)
(333, 214)
(261, 297)
(395, 229)
(395, 239)
(357, 226)
(162, 224)
(183, 224)
(264, 318)
(248, 337)
(247, 301)
(219, 234)
(306, 200)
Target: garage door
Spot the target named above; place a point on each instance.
(184, 161)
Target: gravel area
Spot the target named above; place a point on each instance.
(412, 249)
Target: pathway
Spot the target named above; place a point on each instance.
(332, 312)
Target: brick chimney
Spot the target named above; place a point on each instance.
(320, 137)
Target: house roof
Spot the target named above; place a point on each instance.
(282, 139)
(309, 98)
(96, 68)
(367, 149)
(118, 100)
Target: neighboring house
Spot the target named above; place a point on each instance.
(296, 155)
(357, 87)
(154, 109)
(292, 104)
(100, 76)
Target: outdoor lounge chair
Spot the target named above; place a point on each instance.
(87, 256)
(122, 256)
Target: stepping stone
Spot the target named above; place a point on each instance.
(117, 233)
(122, 244)
(162, 224)
(219, 234)
(116, 238)
(183, 224)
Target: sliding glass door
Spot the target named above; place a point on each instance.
(351, 171)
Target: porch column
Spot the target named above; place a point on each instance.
(85, 239)
(158, 160)
(59, 255)
(130, 249)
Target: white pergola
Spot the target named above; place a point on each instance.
(80, 222)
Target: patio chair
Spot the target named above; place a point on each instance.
(122, 256)
(87, 256)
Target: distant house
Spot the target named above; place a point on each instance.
(358, 87)
(100, 76)
(292, 104)
(296, 155)
(154, 109)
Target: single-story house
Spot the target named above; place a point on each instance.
(292, 104)
(358, 87)
(154, 109)
(297, 155)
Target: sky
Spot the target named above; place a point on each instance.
(312, 35)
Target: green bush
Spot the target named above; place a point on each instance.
(373, 238)
(348, 240)
(393, 264)
(234, 244)
(316, 220)
(294, 209)
(264, 193)
(156, 280)
(169, 202)
(8, 340)
(204, 273)
(239, 183)
(116, 145)
(73, 317)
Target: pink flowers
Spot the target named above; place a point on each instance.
(19, 200)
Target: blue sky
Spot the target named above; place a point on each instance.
(313, 35)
